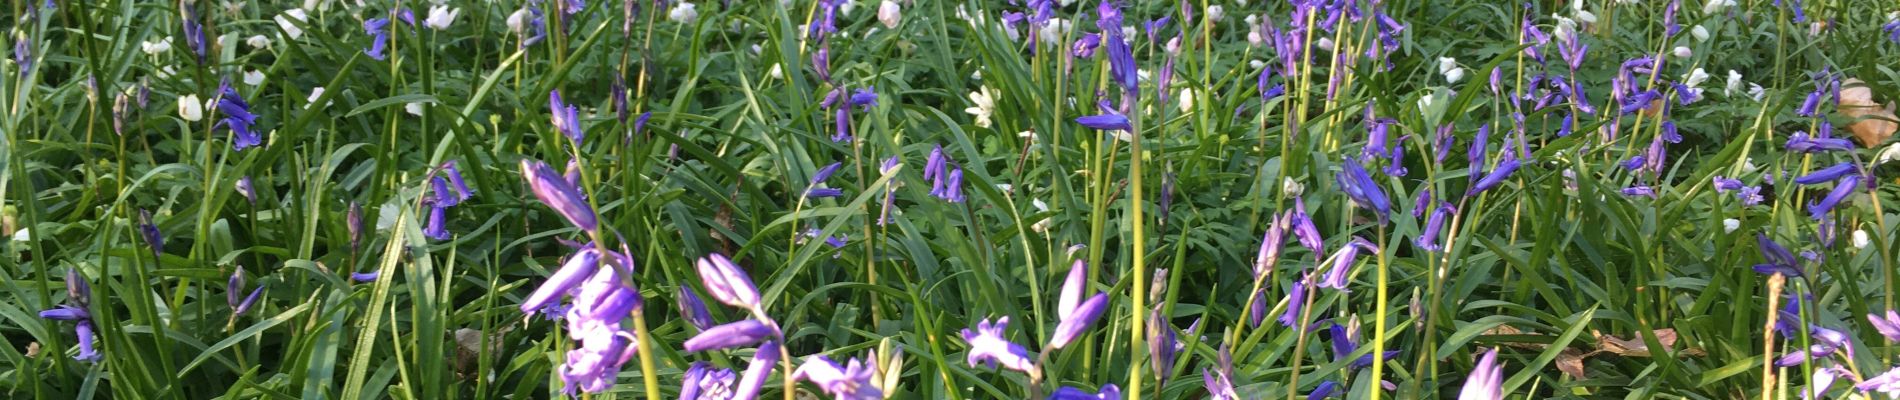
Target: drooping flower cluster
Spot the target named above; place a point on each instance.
(946, 178)
(77, 309)
(443, 199)
(237, 117)
(729, 284)
(602, 298)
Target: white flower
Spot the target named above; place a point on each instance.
(890, 14)
(1257, 64)
(848, 7)
(190, 108)
(1730, 225)
(1043, 225)
(1696, 77)
(1566, 28)
(1585, 16)
(24, 235)
(1004, 187)
(1454, 75)
(1683, 52)
(1860, 239)
(413, 108)
(1291, 187)
(1734, 83)
(1424, 103)
(1187, 100)
(1892, 152)
(1052, 32)
(166, 72)
(1065, 3)
(1029, 136)
(440, 17)
(259, 42)
(1755, 92)
(518, 20)
(1716, 6)
(1254, 37)
(983, 104)
(1128, 34)
(1325, 44)
(776, 72)
(1701, 34)
(156, 48)
(290, 28)
(1446, 64)
(315, 93)
(1173, 47)
(1252, 19)
(1215, 13)
(253, 77)
(684, 13)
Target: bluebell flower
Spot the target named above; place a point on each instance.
(851, 382)
(864, 98)
(1750, 196)
(1428, 237)
(1363, 191)
(735, 334)
(1724, 184)
(378, 30)
(821, 63)
(579, 267)
(1669, 133)
(1108, 392)
(438, 225)
(1829, 174)
(1295, 303)
(1345, 341)
(1271, 244)
(726, 282)
(1775, 259)
(1219, 380)
(1085, 46)
(988, 345)
(1844, 187)
(149, 231)
(757, 371)
(693, 310)
(78, 294)
(238, 117)
(364, 277)
(1639, 190)
(566, 118)
(455, 177)
(194, 31)
(1324, 390)
(559, 193)
(1337, 278)
(1107, 122)
(245, 189)
(23, 55)
(1486, 380)
(1302, 227)
(842, 133)
(1496, 176)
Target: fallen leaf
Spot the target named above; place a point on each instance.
(1570, 361)
(1873, 125)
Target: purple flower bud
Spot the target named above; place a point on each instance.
(1072, 289)
(727, 282)
(1776, 259)
(149, 231)
(756, 372)
(558, 193)
(1639, 190)
(566, 118)
(1109, 392)
(693, 310)
(1828, 174)
(730, 335)
(821, 63)
(1106, 122)
(66, 313)
(437, 228)
(1844, 187)
(378, 30)
(234, 286)
(1800, 142)
(1303, 228)
(1271, 244)
(1363, 191)
(1295, 303)
(77, 291)
(1496, 176)
(455, 176)
(245, 306)
(1161, 343)
(244, 188)
(579, 267)
(1486, 380)
(1078, 320)
(1888, 325)
(1338, 277)
(365, 276)
(1723, 184)
(354, 221)
(1428, 237)
(1422, 202)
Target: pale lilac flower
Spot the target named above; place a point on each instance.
(579, 267)
(1486, 380)
(734, 334)
(727, 282)
(558, 193)
(1337, 278)
(567, 118)
(1078, 320)
(988, 345)
(1888, 324)
(757, 371)
(693, 310)
(850, 382)
(1108, 392)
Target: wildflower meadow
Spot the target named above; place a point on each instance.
(949, 199)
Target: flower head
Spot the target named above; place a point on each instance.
(727, 282)
(1363, 191)
(852, 381)
(988, 345)
(558, 193)
(1486, 380)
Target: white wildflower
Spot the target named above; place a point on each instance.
(1860, 239)
(1892, 152)
(253, 77)
(1696, 77)
(290, 28)
(413, 108)
(890, 14)
(1291, 187)
(1683, 52)
(1730, 225)
(440, 17)
(156, 48)
(983, 104)
(1733, 84)
(684, 13)
(315, 93)
(1701, 34)
(1187, 100)
(259, 42)
(190, 108)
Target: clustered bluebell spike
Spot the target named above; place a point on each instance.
(78, 310)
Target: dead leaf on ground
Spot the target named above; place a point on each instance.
(1873, 124)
